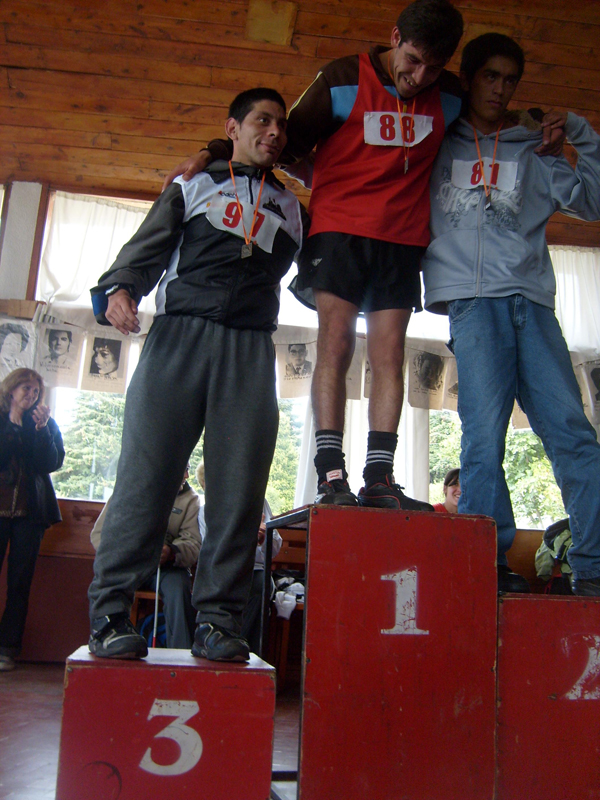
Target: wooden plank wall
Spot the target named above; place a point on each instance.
(107, 95)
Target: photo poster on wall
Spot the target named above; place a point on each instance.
(426, 371)
(105, 367)
(296, 355)
(518, 418)
(450, 401)
(588, 377)
(17, 344)
(58, 354)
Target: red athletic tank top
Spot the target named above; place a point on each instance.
(359, 183)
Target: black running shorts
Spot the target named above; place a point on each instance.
(371, 274)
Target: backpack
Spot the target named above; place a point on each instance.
(146, 629)
(551, 563)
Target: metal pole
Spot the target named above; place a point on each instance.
(156, 607)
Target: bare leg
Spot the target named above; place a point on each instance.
(386, 333)
(335, 347)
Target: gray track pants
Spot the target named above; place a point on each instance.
(193, 374)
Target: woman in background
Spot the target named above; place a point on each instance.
(451, 493)
(30, 448)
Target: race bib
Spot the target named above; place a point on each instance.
(223, 213)
(467, 174)
(387, 128)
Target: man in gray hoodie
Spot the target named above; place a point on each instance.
(489, 268)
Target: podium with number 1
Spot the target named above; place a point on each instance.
(399, 691)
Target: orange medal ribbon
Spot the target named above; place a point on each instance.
(487, 189)
(405, 146)
(247, 247)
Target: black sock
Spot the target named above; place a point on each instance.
(381, 447)
(330, 459)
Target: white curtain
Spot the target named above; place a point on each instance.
(82, 239)
(577, 272)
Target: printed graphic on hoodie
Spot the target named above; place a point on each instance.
(458, 200)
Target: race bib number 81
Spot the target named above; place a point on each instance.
(223, 213)
(467, 174)
(387, 128)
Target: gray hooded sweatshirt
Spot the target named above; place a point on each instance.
(501, 250)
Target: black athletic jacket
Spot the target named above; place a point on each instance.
(192, 239)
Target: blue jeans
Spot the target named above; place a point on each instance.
(507, 348)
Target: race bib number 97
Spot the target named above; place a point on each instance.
(223, 213)
(388, 128)
(467, 174)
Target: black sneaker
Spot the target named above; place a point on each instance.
(509, 581)
(586, 587)
(388, 494)
(115, 637)
(336, 493)
(218, 644)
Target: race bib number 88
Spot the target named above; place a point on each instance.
(387, 128)
(223, 213)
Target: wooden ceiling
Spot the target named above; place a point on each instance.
(106, 96)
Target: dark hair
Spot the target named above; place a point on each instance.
(452, 477)
(15, 379)
(479, 50)
(434, 26)
(53, 334)
(296, 344)
(13, 327)
(243, 104)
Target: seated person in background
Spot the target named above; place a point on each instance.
(451, 493)
(179, 553)
(252, 612)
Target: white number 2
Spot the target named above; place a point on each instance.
(584, 688)
(406, 603)
(189, 741)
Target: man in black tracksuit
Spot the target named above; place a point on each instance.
(219, 245)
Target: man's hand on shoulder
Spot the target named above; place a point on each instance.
(553, 133)
(188, 168)
(122, 312)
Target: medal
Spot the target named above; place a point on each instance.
(405, 145)
(247, 246)
(487, 189)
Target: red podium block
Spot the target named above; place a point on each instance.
(170, 726)
(400, 653)
(549, 698)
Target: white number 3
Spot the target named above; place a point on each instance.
(189, 741)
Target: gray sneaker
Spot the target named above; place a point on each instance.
(114, 636)
(218, 644)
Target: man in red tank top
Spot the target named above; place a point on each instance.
(369, 213)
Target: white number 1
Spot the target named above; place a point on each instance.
(406, 603)
(189, 741)
(587, 686)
